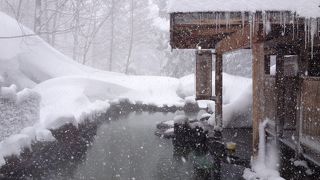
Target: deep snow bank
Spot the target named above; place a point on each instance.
(29, 60)
(73, 99)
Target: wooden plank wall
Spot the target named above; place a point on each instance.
(311, 109)
(290, 102)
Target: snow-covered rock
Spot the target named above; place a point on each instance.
(18, 110)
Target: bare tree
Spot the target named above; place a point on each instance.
(18, 16)
(111, 34)
(76, 30)
(46, 16)
(93, 30)
(54, 23)
(131, 39)
(37, 16)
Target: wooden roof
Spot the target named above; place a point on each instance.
(206, 29)
(305, 8)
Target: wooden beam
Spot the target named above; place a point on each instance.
(237, 40)
(219, 90)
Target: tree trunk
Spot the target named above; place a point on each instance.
(76, 31)
(19, 11)
(37, 17)
(54, 24)
(131, 40)
(47, 22)
(112, 36)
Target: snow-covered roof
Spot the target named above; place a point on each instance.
(305, 8)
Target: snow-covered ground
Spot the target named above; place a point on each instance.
(71, 92)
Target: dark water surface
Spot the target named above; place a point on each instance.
(127, 149)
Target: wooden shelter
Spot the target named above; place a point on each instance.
(288, 97)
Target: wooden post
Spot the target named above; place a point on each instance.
(204, 75)
(258, 92)
(218, 86)
(280, 113)
(302, 61)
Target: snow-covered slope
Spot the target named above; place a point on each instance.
(29, 60)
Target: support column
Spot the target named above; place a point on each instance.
(258, 71)
(218, 86)
(280, 113)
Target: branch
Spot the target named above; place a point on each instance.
(33, 34)
(19, 36)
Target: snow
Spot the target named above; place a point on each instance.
(266, 165)
(61, 91)
(73, 99)
(169, 123)
(18, 110)
(9, 93)
(303, 164)
(1, 80)
(30, 60)
(304, 8)
(236, 90)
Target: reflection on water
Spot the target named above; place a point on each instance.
(127, 149)
(124, 148)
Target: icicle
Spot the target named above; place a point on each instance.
(243, 16)
(308, 31)
(216, 18)
(268, 24)
(264, 22)
(251, 23)
(313, 31)
(219, 20)
(280, 16)
(297, 27)
(318, 30)
(284, 16)
(293, 24)
(227, 19)
(305, 33)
